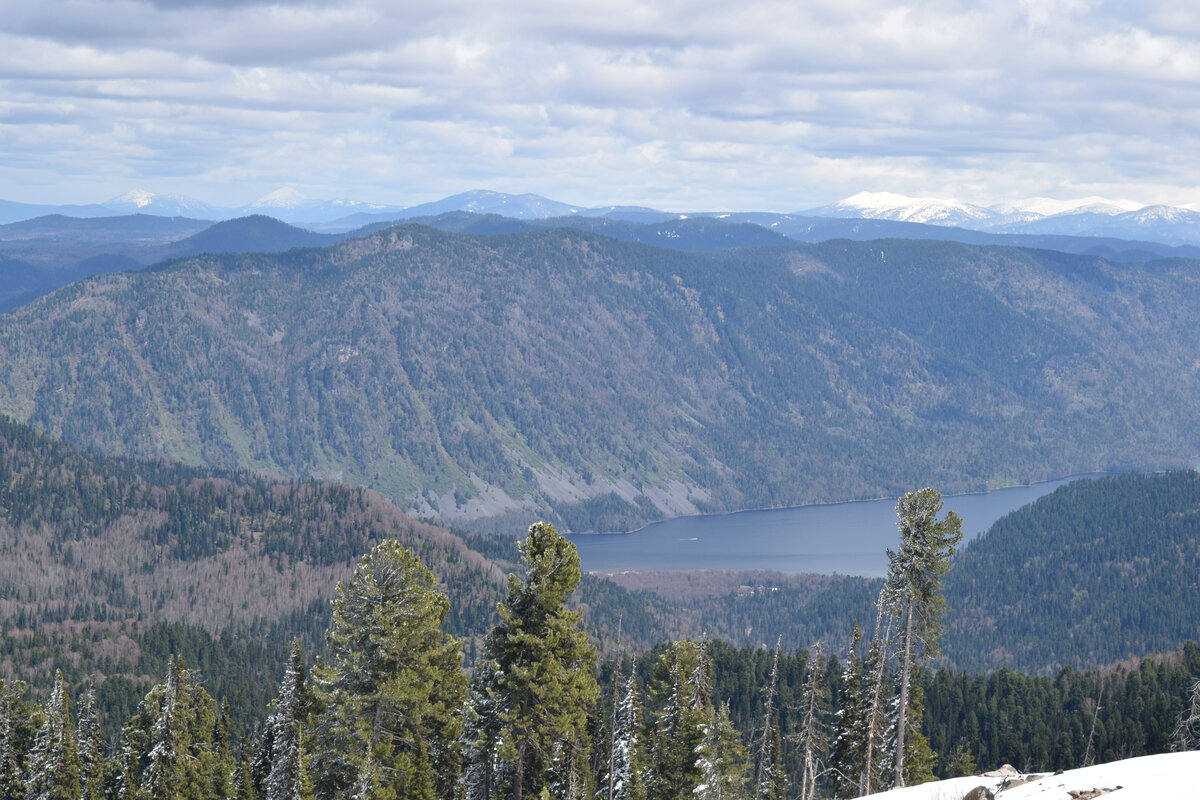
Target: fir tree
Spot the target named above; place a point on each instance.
(11, 778)
(624, 781)
(919, 759)
(91, 747)
(544, 681)
(285, 779)
(721, 760)
(847, 760)
(53, 760)
(484, 773)
(127, 781)
(163, 776)
(673, 774)
(770, 782)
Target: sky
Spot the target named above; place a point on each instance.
(675, 104)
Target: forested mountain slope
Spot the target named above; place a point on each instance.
(1097, 571)
(559, 374)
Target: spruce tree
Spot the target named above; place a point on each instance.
(624, 780)
(53, 770)
(90, 741)
(770, 782)
(686, 712)
(484, 773)
(11, 757)
(919, 759)
(913, 591)
(721, 760)
(163, 775)
(286, 778)
(846, 762)
(389, 699)
(544, 682)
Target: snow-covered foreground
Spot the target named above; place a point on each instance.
(1161, 777)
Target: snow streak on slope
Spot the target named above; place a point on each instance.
(1170, 776)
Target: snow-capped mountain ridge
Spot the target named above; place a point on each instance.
(1082, 217)
(885, 205)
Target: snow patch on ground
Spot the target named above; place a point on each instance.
(1169, 776)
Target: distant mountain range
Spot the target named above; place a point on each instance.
(1087, 217)
(42, 254)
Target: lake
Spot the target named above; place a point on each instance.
(844, 538)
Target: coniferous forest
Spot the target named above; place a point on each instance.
(388, 708)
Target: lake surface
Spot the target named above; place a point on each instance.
(846, 538)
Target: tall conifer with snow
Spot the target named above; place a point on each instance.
(679, 729)
(624, 781)
(90, 742)
(11, 777)
(770, 781)
(163, 776)
(285, 781)
(390, 696)
(847, 760)
(53, 769)
(721, 760)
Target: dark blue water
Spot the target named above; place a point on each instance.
(844, 538)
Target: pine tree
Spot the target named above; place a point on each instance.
(913, 591)
(285, 779)
(392, 691)
(53, 770)
(91, 747)
(544, 682)
(721, 760)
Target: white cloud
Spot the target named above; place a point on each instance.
(687, 104)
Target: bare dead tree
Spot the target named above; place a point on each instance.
(1187, 733)
(1089, 755)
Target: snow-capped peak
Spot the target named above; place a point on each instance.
(137, 198)
(877, 201)
(1049, 206)
(886, 205)
(283, 197)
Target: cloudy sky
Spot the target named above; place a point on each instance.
(678, 104)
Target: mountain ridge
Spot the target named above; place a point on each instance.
(412, 360)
